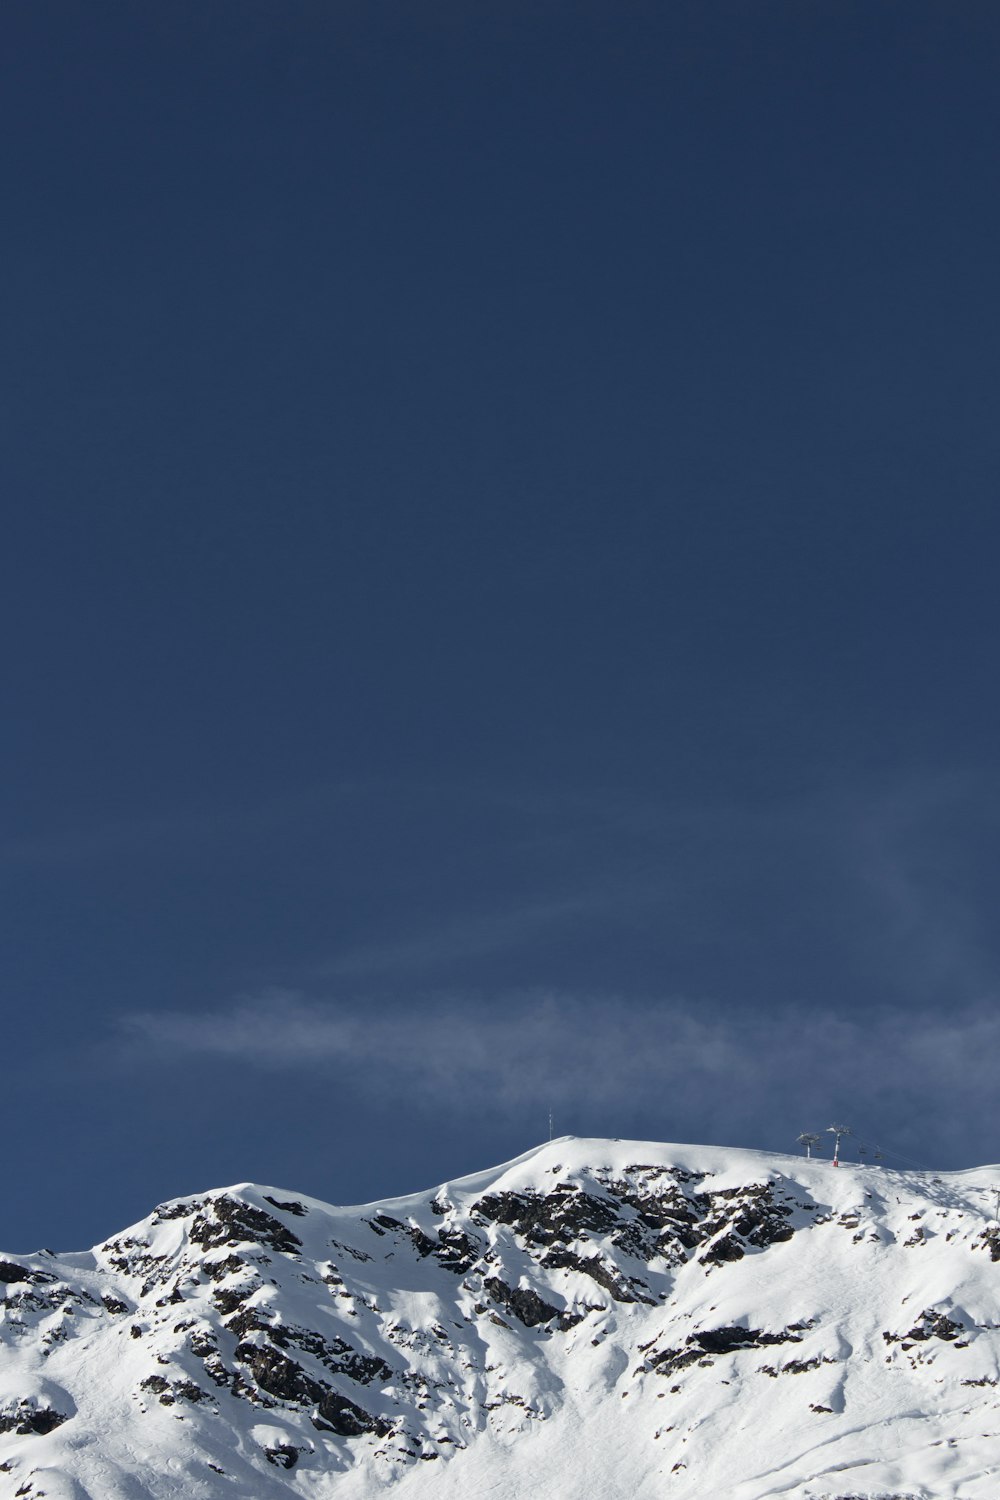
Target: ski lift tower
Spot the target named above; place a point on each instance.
(837, 1131)
(808, 1140)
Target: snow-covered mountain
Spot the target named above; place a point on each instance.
(595, 1319)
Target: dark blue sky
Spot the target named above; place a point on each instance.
(499, 586)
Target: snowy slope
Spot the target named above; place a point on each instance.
(597, 1318)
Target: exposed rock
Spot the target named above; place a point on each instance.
(228, 1221)
(599, 1271)
(707, 1343)
(931, 1325)
(339, 1415)
(336, 1354)
(457, 1251)
(27, 1418)
(525, 1304)
(280, 1376)
(170, 1391)
(292, 1207)
(228, 1299)
(164, 1212)
(543, 1218)
(797, 1366)
(749, 1216)
(188, 1391)
(284, 1454)
(989, 1239)
(217, 1270)
(9, 1272)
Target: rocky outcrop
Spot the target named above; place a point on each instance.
(522, 1302)
(705, 1344)
(228, 1221)
(27, 1418)
(932, 1324)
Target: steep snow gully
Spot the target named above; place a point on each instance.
(595, 1319)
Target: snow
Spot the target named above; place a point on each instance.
(617, 1318)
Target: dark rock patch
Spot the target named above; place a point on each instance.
(132, 1258)
(171, 1391)
(932, 1325)
(202, 1343)
(217, 1270)
(720, 1340)
(292, 1207)
(726, 1249)
(797, 1366)
(174, 1296)
(598, 1270)
(990, 1240)
(382, 1222)
(545, 1218)
(337, 1414)
(278, 1375)
(227, 1299)
(336, 1354)
(422, 1243)
(281, 1377)
(750, 1216)
(27, 1419)
(711, 1342)
(9, 1272)
(457, 1251)
(229, 1221)
(188, 1391)
(165, 1211)
(284, 1454)
(525, 1304)
(663, 1210)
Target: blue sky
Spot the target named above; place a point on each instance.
(499, 587)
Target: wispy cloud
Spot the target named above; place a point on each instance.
(701, 1066)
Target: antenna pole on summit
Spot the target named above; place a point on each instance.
(809, 1140)
(837, 1131)
(550, 1124)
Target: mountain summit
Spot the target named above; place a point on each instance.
(597, 1318)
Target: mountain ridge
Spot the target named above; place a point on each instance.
(636, 1318)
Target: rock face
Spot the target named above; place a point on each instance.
(598, 1317)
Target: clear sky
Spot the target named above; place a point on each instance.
(500, 553)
